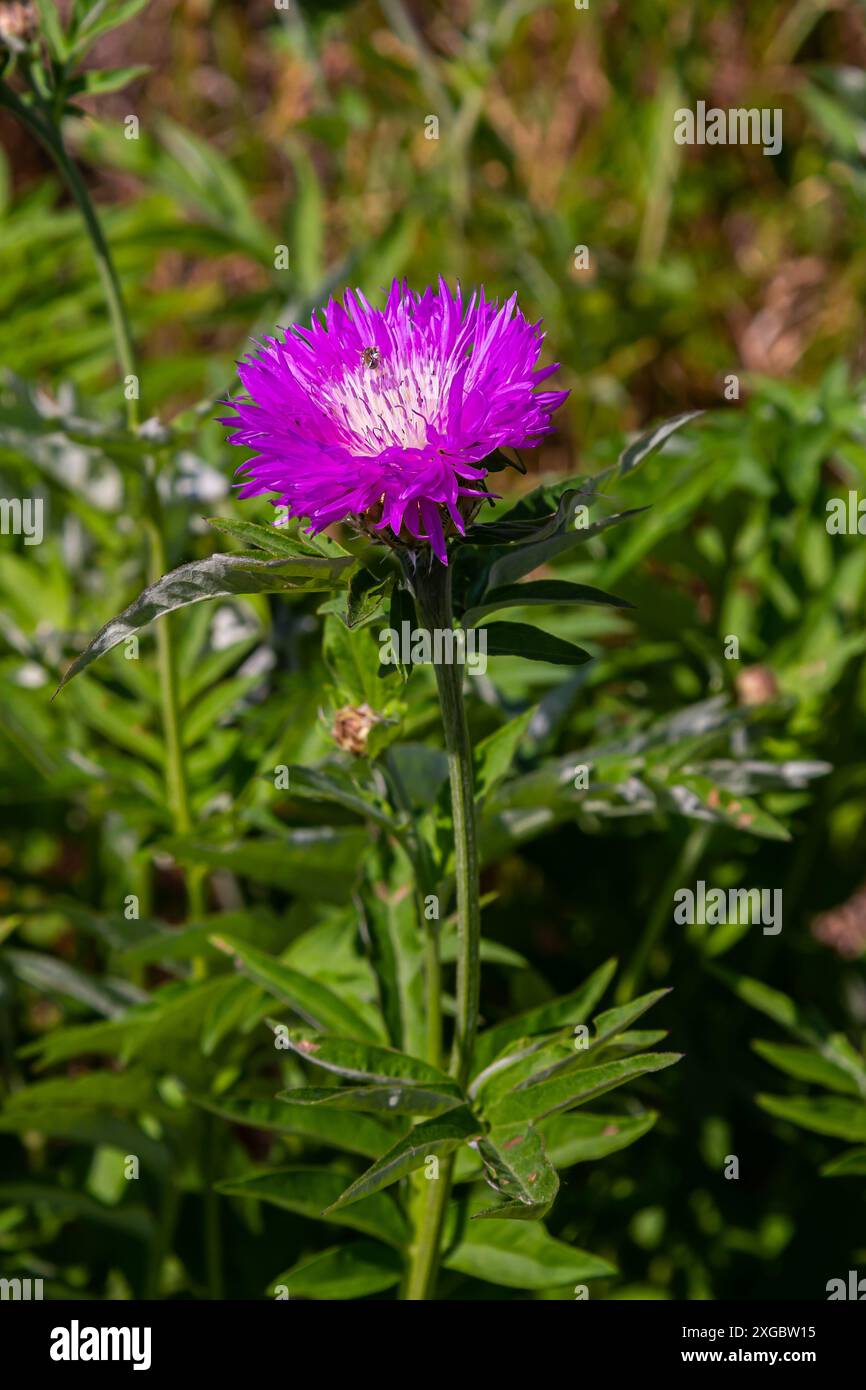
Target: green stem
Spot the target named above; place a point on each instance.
(433, 592)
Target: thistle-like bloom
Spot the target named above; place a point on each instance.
(383, 416)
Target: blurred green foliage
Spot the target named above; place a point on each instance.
(306, 129)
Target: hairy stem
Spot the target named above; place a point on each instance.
(433, 592)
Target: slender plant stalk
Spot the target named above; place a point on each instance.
(51, 137)
(433, 592)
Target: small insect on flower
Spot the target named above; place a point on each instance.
(394, 439)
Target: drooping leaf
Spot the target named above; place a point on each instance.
(540, 591)
(519, 639)
(219, 576)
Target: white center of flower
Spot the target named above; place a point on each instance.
(388, 405)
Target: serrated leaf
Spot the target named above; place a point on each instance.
(315, 1193)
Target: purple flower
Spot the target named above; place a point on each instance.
(383, 416)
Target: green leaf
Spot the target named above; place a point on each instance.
(652, 440)
(342, 1273)
(439, 1136)
(394, 1099)
(395, 944)
(365, 1062)
(806, 1064)
(219, 576)
(357, 1134)
(315, 1193)
(571, 1008)
(532, 643)
(366, 597)
(97, 83)
(517, 1167)
(315, 1002)
(523, 559)
(101, 18)
(574, 1088)
(494, 756)
(581, 1137)
(51, 27)
(97, 1090)
(541, 591)
(851, 1164)
(317, 862)
(275, 540)
(337, 786)
(843, 1119)
(561, 1054)
(522, 1255)
(691, 794)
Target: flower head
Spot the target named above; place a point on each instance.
(386, 416)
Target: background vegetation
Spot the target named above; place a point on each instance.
(306, 129)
